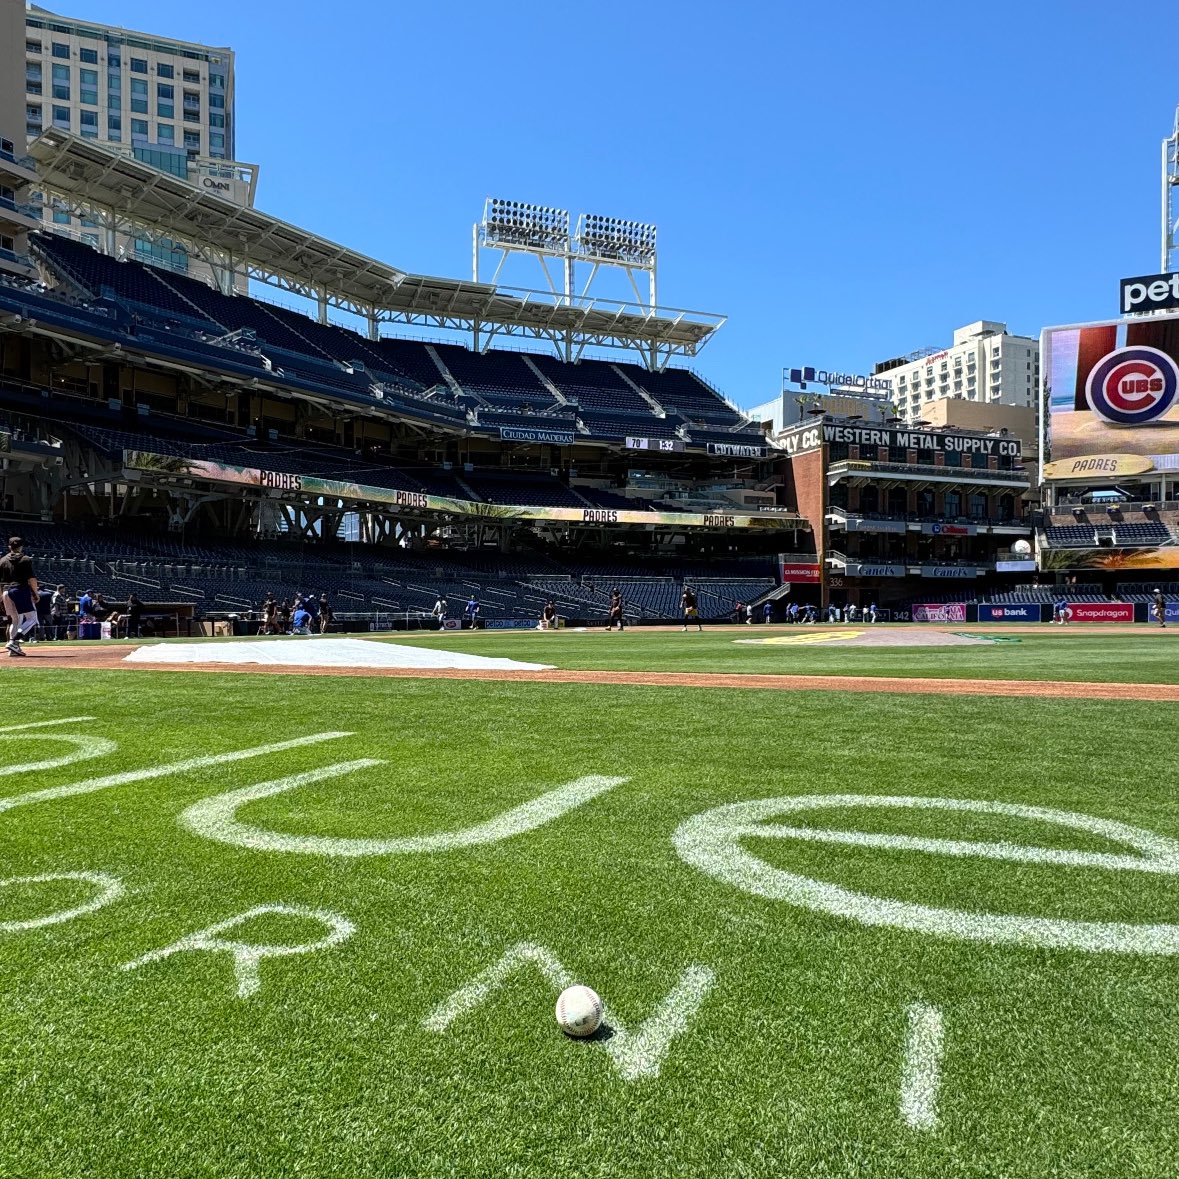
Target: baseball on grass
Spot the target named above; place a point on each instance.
(579, 1011)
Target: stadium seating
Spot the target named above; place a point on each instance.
(181, 314)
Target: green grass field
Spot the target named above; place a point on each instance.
(1150, 656)
(805, 1041)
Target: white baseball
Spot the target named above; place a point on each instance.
(579, 1011)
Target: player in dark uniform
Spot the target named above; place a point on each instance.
(21, 592)
(691, 609)
(1158, 607)
(548, 616)
(615, 611)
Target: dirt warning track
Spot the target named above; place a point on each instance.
(113, 659)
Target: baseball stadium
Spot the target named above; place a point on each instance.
(389, 653)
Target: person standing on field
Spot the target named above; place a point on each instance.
(21, 591)
(1158, 608)
(690, 608)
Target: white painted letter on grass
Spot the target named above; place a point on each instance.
(921, 1070)
(216, 818)
(247, 955)
(712, 843)
(84, 748)
(89, 785)
(109, 887)
(635, 1055)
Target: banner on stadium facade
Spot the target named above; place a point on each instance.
(799, 571)
(939, 612)
(1118, 560)
(1149, 292)
(949, 572)
(1101, 611)
(1112, 392)
(146, 462)
(865, 524)
(1012, 612)
(509, 624)
(855, 569)
(528, 434)
(949, 529)
(1024, 565)
(735, 450)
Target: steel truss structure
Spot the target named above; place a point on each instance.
(1170, 260)
(124, 196)
(542, 231)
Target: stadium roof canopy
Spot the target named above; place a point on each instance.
(126, 196)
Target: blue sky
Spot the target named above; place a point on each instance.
(845, 181)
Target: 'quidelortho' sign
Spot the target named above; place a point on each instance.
(1150, 292)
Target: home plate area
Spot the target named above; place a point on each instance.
(325, 652)
(850, 636)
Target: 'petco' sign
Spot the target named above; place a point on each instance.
(1151, 292)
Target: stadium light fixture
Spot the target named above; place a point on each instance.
(615, 239)
(525, 225)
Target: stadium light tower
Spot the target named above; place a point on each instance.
(511, 227)
(1171, 199)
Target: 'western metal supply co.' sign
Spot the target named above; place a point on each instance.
(808, 438)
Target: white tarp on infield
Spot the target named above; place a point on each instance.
(323, 652)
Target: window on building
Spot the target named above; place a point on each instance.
(165, 110)
(954, 500)
(217, 101)
(114, 126)
(33, 88)
(89, 56)
(61, 117)
(91, 239)
(138, 88)
(114, 102)
(192, 75)
(33, 114)
(88, 77)
(166, 133)
(139, 106)
(216, 81)
(61, 217)
(192, 139)
(164, 70)
(216, 140)
(139, 65)
(138, 129)
(60, 50)
(88, 119)
(114, 59)
(32, 46)
(192, 116)
(978, 506)
(216, 120)
(61, 73)
(165, 91)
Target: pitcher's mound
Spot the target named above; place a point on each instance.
(317, 652)
(850, 636)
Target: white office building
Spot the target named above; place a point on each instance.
(985, 364)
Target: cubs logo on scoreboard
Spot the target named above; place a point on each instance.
(1132, 386)
(1111, 391)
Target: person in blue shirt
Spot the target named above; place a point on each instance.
(86, 606)
(767, 612)
(1061, 611)
(471, 613)
(793, 609)
(301, 621)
